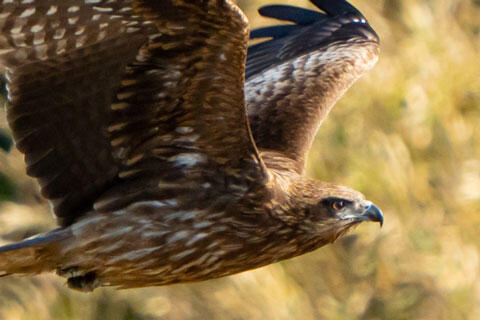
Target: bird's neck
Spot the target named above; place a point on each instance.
(287, 185)
(291, 196)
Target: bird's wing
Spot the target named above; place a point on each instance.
(62, 61)
(295, 77)
(130, 93)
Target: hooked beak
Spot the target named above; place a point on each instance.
(372, 213)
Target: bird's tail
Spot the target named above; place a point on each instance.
(34, 255)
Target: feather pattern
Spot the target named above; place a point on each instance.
(295, 78)
(132, 116)
(102, 93)
(59, 60)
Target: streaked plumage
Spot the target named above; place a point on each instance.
(133, 116)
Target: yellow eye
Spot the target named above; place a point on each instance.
(338, 205)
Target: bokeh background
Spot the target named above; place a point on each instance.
(407, 135)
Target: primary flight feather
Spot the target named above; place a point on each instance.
(164, 157)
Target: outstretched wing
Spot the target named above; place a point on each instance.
(63, 61)
(130, 94)
(179, 123)
(295, 78)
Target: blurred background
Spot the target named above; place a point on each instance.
(407, 135)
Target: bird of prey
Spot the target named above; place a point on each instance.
(169, 155)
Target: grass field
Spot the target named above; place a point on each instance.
(407, 135)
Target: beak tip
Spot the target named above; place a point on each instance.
(373, 213)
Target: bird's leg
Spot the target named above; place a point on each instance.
(79, 280)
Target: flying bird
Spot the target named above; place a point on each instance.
(166, 152)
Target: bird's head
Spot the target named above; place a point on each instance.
(329, 210)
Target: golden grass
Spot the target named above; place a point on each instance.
(407, 135)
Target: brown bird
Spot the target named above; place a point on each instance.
(161, 162)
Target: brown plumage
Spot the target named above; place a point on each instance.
(137, 121)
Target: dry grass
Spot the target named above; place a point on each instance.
(407, 135)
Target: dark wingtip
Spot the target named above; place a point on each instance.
(339, 10)
(273, 32)
(336, 7)
(337, 21)
(293, 14)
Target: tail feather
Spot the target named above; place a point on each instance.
(34, 255)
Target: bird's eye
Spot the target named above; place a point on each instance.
(338, 205)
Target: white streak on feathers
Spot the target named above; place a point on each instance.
(188, 159)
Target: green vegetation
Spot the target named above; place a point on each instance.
(5, 141)
(407, 135)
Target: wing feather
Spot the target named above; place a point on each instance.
(274, 32)
(294, 79)
(187, 81)
(114, 101)
(62, 61)
(297, 15)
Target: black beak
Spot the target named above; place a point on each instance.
(372, 213)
